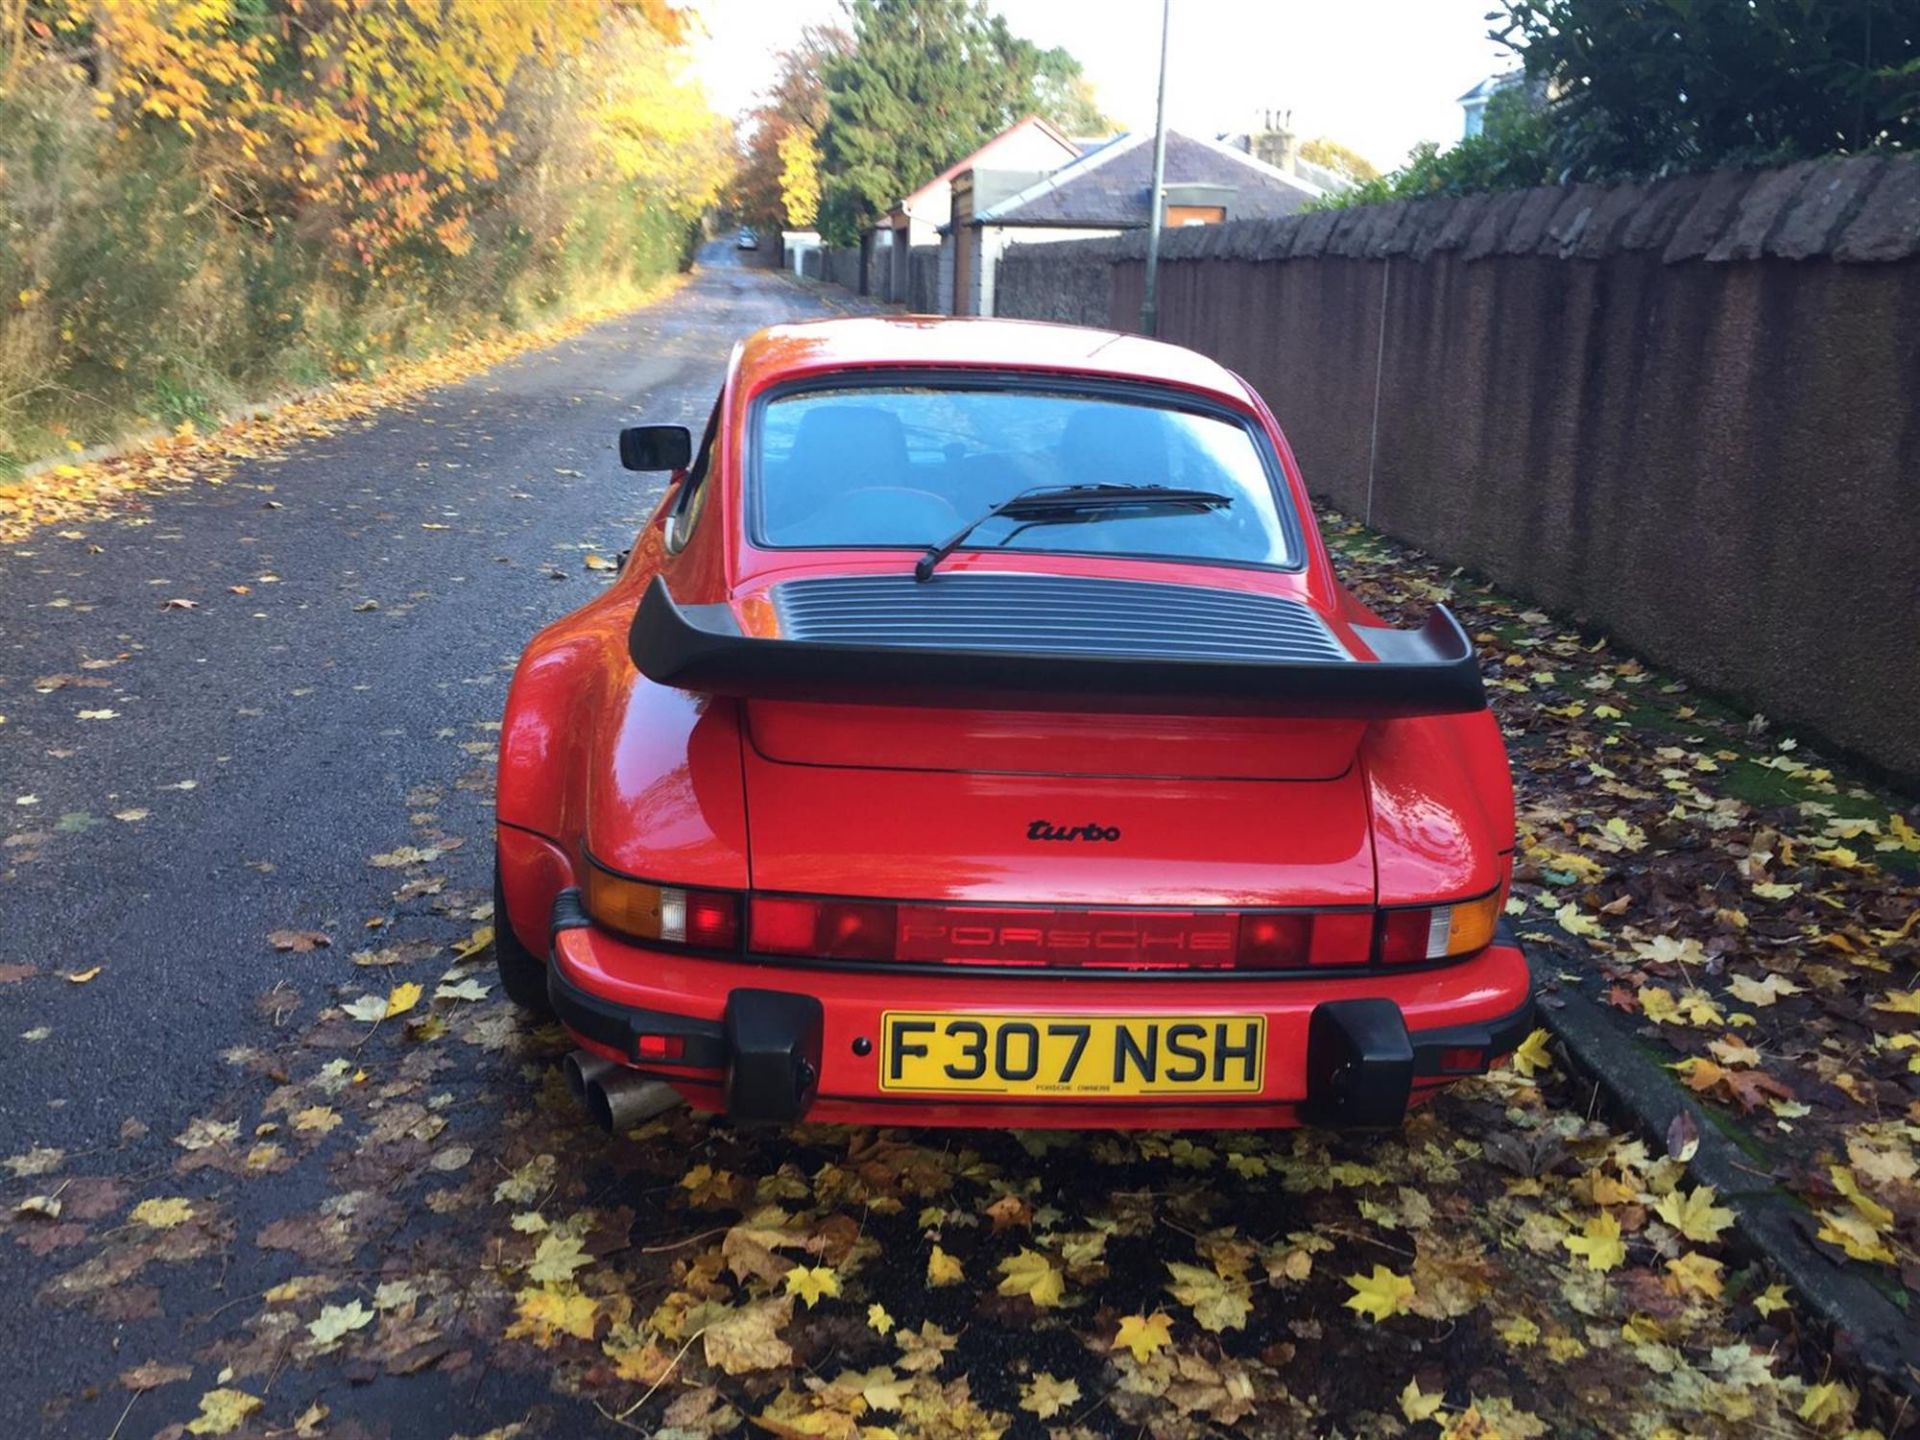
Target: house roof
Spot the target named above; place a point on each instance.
(940, 182)
(1112, 186)
(1489, 87)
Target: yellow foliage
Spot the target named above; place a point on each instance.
(943, 1269)
(653, 127)
(799, 152)
(1032, 1274)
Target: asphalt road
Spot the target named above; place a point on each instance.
(266, 744)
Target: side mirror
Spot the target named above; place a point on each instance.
(656, 447)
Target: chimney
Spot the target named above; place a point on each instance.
(1275, 143)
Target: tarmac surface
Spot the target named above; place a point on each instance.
(269, 741)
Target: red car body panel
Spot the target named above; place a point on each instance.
(916, 802)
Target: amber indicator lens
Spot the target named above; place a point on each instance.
(676, 915)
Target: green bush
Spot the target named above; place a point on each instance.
(1615, 90)
(1510, 153)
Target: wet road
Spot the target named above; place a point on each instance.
(176, 784)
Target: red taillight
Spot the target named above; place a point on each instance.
(1342, 937)
(1275, 942)
(822, 929)
(1442, 932)
(670, 913)
(660, 1047)
(712, 919)
(1111, 939)
(1066, 939)
(1405, 936)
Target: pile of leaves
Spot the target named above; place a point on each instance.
(1503, 1266)
(1754, 909)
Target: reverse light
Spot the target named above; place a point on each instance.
(672, 914)
(1439, 932)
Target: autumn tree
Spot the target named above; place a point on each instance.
(1065, 98)
(204, 195)
(799, 178)
(1332, 155)
(925, 82)
(795, 105)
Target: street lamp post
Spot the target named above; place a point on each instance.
(1150, 306)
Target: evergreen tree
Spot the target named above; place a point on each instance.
(926, 82)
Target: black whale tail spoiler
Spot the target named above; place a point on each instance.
(1038, 642)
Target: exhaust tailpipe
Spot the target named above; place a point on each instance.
(582, 1068)
(620, 1099)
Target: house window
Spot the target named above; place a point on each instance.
(1196, 214)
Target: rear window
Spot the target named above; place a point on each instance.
(907, 466)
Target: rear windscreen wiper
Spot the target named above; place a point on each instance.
(1072, 504)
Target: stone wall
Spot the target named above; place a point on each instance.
(1040, 282)
(923, 287)
(841, 265)
(1685, 412)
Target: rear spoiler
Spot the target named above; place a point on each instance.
(1428, 671)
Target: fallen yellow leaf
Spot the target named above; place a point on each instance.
(1418, 1406)
(162, 1214)
(1032, 1275)
(812, 1283)
(1694, 1215)
(1598, 1241)
(1381, 1295)
(1144, 1334)
(1532, 1056)
(223, 1411)
(943, 1269)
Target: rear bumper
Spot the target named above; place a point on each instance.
(780, 1042)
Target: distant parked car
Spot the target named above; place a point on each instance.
(978, 735)
(747, 241)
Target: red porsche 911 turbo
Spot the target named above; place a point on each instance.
(977, 735)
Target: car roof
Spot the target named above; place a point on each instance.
(807, 348)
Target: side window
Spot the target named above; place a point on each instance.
(693, 491)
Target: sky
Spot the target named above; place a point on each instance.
(1377, 75)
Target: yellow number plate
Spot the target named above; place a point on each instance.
(1073, 1054)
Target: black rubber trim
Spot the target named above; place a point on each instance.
(700, 647)
(569, 912)
(618, 1026)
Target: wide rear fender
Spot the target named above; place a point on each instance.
(666, 798)
(1441, 797)
(559, 693)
